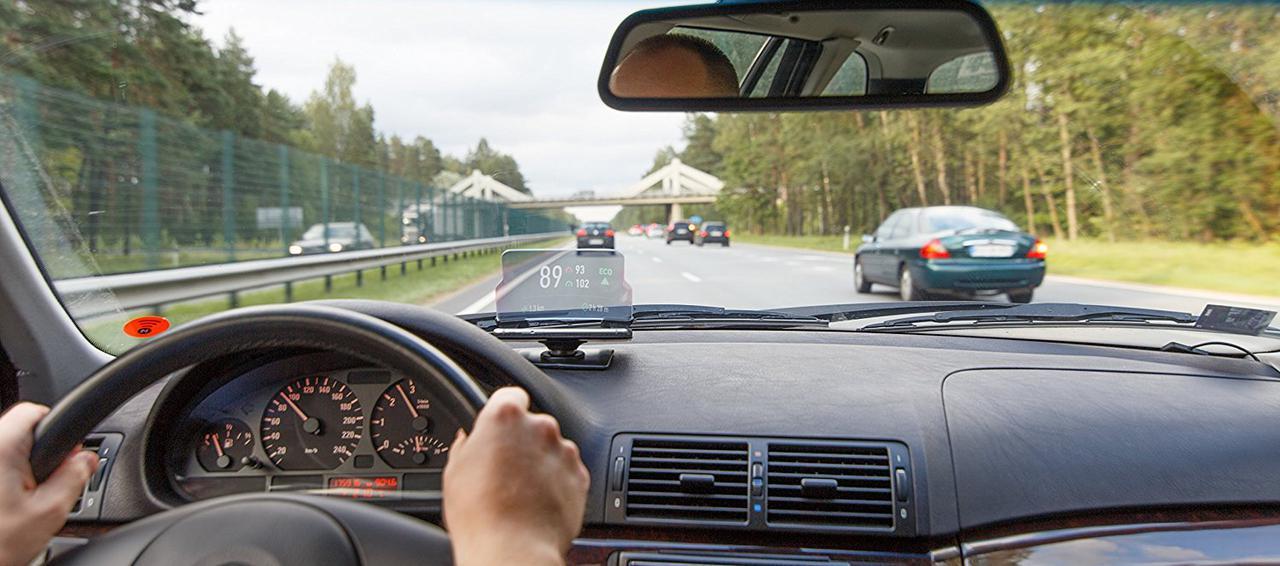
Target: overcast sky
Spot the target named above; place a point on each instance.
(521, 74)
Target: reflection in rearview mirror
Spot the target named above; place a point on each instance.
(767, 55)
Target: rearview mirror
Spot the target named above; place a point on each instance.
(809, 55)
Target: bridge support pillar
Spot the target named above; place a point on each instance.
(674, 212)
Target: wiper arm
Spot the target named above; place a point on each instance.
(858, 311)
(1042, 312)
(651, 316)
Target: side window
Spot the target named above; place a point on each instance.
(886, 229)
(850, 80)
(761, 89)
(905, 227)
(975, 72)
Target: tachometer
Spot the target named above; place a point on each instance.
(313, 423)
(223, 445)
(400, 425)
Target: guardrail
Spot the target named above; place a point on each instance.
(94, 296)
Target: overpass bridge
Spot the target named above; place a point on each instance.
(673, 185)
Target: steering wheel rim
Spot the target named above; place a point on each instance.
(232, 332)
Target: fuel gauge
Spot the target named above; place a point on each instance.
(224, 445)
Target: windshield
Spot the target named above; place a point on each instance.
(317, 232)
(1135, 161)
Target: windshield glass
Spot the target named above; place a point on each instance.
(1135, 161)
(316, 232)
(958, 219)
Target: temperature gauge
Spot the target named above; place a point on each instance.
(224, 445)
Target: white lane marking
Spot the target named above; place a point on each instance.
(1164, 290)
(479, 305)
(691, 277)
(657, 260)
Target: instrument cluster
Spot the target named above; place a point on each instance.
(357, 432)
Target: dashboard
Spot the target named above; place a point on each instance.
(317, 425)
(888, 448)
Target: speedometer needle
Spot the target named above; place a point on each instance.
(217, 445)
(309, 425)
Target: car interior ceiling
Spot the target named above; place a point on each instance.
(716, 436)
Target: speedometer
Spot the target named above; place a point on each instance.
(313, 423)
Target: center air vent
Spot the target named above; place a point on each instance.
(687, 480)
(828, 484)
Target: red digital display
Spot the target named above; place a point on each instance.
(365, 487)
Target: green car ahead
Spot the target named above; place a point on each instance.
(953, 250)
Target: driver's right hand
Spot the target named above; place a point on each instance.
(514, 489)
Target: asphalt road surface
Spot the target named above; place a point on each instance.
(758, 277)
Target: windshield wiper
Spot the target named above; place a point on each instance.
(859, 311)
(697, 316)
(665, 316)
(1040, 312)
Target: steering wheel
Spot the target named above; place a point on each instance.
(262, 528)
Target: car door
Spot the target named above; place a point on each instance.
(874, 261)
(902, 243)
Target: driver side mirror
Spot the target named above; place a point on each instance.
(793, 54)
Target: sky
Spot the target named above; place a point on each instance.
(520, 74)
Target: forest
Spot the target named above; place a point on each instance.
(145, 53)
(1123, 122)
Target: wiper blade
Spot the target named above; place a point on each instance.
(858, 311)
(695, 311)
(653, 316)
(1042, 312)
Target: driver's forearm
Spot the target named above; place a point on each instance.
(506, 551)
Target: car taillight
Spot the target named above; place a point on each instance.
(726, 233)
(1039, 250)
(703, 233)
(608, 233)
(934, 250)
(582, 232)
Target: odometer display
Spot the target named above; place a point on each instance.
(313, 423)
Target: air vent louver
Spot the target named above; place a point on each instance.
(687, 480)
(800, 490)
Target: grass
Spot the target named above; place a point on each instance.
(825, 243)
(1231, 267)
(415, 287)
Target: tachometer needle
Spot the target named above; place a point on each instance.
(217, 445)
(412, 410)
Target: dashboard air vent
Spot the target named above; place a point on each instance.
(837, 485)
(687, 480)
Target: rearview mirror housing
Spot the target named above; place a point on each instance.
(805, 55)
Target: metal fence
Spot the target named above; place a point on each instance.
(102, 187)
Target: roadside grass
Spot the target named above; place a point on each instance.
(824, 243)
(1230, 267)
(414, 287)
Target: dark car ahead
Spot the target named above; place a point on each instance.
(712, 233)
(681, 230)
(341, 237)
(960, 250)
(595, 235)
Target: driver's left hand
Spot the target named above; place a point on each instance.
(30, 513)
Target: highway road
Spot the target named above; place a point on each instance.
(756, 277)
